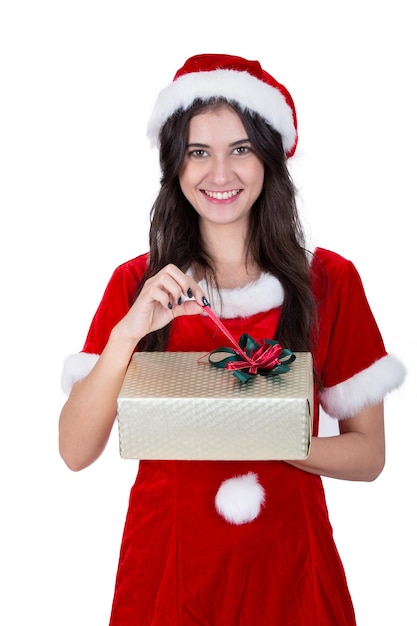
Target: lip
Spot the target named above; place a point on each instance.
(219, 196)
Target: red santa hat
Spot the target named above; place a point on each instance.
(235, 79)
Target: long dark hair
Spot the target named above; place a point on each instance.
(275, 240)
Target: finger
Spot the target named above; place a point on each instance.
(171, 286)
(189, 307)
(163, 288)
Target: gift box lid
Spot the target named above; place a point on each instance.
(175, 405)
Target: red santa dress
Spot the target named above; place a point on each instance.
(244, 543)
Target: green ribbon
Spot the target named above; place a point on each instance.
(267, 358)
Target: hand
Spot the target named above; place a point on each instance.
(163, 297)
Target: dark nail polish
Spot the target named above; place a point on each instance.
(179, 300)
(205, 301)
(169, 305)
(189, 292)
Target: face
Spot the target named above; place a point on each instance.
(221, 175)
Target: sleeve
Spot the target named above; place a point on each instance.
(354, 367)
(115, 303)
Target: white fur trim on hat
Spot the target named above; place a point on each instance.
(263, 294)
(239, 500)
(233, 85)
(76, 367)
(363, 389)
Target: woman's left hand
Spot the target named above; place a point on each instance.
(358, 453)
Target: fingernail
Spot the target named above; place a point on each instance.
(205, 301)
(179, 300)
(169, 305)
(189, 292)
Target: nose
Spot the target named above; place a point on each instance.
(220, 170)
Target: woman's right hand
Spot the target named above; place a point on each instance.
(169, 293)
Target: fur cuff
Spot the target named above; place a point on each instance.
(239, 499)
(76, 367)
(263, 294)
(363, 389)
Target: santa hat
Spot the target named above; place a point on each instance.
(235, 79)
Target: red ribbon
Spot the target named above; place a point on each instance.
(266, 357)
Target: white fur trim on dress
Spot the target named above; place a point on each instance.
(264, 294)
(76, 367)
(233, 85)
(363, 389)
(239, 499)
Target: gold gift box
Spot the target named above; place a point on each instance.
(175, 405)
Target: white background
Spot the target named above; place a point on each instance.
(77, 82)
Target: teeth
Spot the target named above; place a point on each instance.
(222, 195)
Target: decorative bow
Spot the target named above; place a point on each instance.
(249, 357)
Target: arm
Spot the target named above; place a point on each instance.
(88, 415)
(358, 453)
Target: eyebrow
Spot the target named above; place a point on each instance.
(231, 145)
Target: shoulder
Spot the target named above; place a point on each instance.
(331, 262)
(133, 267)
(127, 275)
(332, 272)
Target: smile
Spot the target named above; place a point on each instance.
(221, 195)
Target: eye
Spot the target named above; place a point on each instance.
(242, 150)
(198, 153)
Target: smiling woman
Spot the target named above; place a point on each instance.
(222, 175)
(221, 543)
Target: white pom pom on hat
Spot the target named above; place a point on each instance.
(235, 79)
(239, 499)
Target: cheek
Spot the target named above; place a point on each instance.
(182, 179)
(187, 186)
(257, 180)
(255, 172)
(186, 179)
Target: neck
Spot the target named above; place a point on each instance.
(227, 247)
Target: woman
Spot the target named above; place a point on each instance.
(225, 229)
